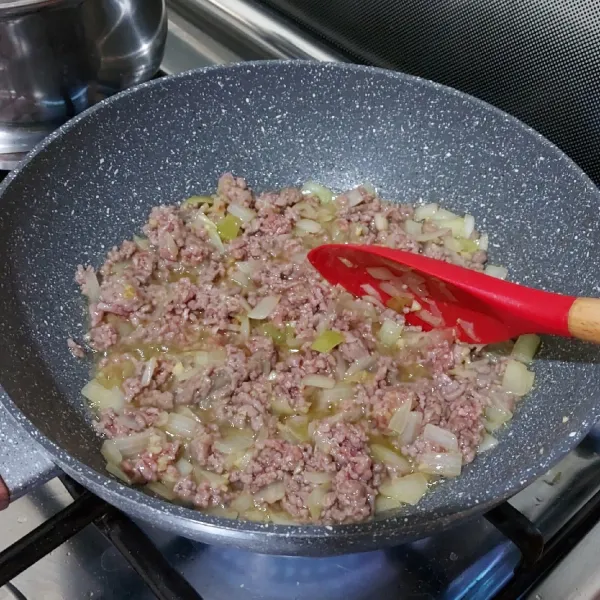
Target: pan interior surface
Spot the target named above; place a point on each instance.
(92, 184)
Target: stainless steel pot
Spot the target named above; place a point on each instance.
(58, 57)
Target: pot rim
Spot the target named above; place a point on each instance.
(17, 7)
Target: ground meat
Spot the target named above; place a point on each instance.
(272, 461)
(75, 349)
(103, 336)
(201, 447)
(235, 190)
(169, 313)
(156, 398)
(201, 495)
(149, 465)
(133, 420)
(194, 389)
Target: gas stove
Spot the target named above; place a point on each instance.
(59, 541)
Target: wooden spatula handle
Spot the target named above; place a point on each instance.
(584, 319)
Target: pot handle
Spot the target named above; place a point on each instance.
(23, 463)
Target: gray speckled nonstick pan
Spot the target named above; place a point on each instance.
(91, 184)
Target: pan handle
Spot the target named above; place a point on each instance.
(23, 463)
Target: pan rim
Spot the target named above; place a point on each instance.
(133, 498)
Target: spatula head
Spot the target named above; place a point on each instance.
(431, 293)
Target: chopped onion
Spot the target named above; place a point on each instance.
(264, 308)
(327, 340)
(487, 443)
(92, 286)
(468, 328)
(196, 201)
(271, 493)
(242, 503)
(244, 460)
(131, 445)
(298, 427)
(392, 290)
(496, 271)
(425, 212)
(346, 262)
(408, 489)
(305, 209)
(244, 327)
(434, 321)
(214, 357)
(185, 374)
(298, 257)
(250, 267)
(428, 237)
(441, 437)
(320, 381)
(483, 242)
(148, 372)
(412, 227)
(390, 459)
(369, 188)
(282, 518)
(452, 244)
(311, 188)
(184, 466)
(280, 406)
(517, 379)
(414, 421)
(260, 516)
(141, 242)
(525, 348)
(444, 215)
(236, 440)
(383, 504)
(318, 477)
(240, 278)
(178, 369)
(211, 229)
(371, 291)
(160, 489)
(308, 225)
(336, 394)
(241, 212)
(446, 464)
(186, 411)
(180, 425)
(380, 273)
(354, 197)
(457, 226)
(220, 511)
(216, 481)
(110, 452)
(285, 433)
(315, 501)
(381, 223)
(469, 226)
(390, 333)
(102, 398)
(360, 365)
(399, 419)
(118, 472)
(496, 416)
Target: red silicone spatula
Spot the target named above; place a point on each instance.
(435, 294)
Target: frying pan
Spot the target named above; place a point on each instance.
(91, 184)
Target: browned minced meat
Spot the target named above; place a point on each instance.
(168, 318)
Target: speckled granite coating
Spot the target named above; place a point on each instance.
(91, 184)
(23, 463)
